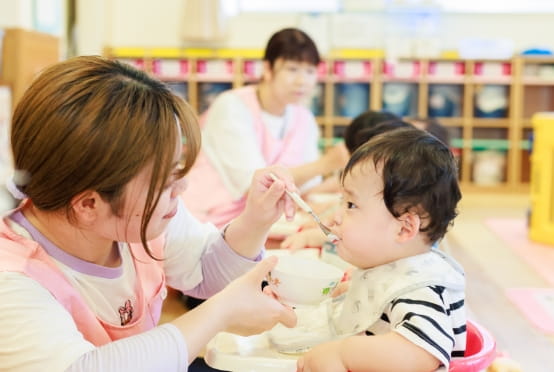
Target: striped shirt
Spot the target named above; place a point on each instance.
(431, 317)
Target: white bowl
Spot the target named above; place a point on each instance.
(300, 281)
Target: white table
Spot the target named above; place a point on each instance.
(230, 352)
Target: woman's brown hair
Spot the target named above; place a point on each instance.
(90, 123)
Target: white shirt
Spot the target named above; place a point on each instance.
(229, 140)
(38, 334)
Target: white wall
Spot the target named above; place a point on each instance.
(147, 23)
(15, 13)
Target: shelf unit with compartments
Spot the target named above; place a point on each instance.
(486, 105)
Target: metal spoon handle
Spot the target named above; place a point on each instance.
(302, 204)
(294, 196)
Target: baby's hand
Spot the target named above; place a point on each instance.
(307, 238)
(322, 358)
(341, 288)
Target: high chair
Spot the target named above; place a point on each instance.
(230, 352)
(480, 350)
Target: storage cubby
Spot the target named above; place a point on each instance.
(317, 103)
(208, 91)
(445, 101)
(537, 98)
(486, 105)
(350, 99)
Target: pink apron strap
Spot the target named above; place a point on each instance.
(19, 254)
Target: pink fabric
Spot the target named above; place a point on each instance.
(19, 254)
(206, 196)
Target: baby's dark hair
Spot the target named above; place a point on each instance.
(419, 174)
(360, 129)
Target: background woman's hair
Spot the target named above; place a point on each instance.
(291, 44)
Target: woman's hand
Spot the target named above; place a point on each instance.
(267, 199)
(241, 308)
(265, 203)
(312, 237)
(247, 309)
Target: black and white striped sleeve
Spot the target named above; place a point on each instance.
(432, 318)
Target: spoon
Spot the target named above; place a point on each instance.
(306, 208)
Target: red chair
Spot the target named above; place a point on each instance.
(480, 350)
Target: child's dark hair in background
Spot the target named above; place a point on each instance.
(432, 126)
(356, 133)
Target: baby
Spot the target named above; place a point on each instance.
(404, 309)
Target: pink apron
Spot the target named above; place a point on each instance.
(206, 196)
(19, 254)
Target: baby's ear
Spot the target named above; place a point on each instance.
(410, 222)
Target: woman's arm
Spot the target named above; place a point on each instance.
(335, 158)
(160, 349)
(37, 333)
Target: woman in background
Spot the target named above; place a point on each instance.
(259, 125)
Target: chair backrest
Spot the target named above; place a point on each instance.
(480, 350)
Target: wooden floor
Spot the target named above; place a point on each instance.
(490, 268)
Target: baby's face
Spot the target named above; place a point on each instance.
(367, 230)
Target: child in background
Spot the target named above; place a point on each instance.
(85, 259)
(352, 140)
(361, 129)
(432, 126)
(404, 309)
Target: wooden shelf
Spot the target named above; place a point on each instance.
(526, 94)
(445, 80)
(391, 79)
(484, 80)
(533, 80)
(491, 123)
